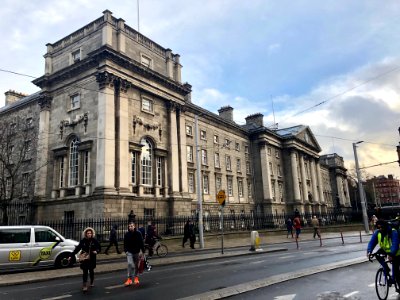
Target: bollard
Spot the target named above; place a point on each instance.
(341, 234)
(320, 239)
(297, 243)
(255, 241)
(360, 237)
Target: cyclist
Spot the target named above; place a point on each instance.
(388, 240)
(151, 236)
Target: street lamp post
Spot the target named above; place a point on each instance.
(361, 189)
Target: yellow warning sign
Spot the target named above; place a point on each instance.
(14, 255)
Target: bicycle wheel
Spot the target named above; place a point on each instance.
(381, 285)
(162, 250)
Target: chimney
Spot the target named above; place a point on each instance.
(13, 96)
(256, 119)
(226, 113)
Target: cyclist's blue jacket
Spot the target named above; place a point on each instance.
(389, 243)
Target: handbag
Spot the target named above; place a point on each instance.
(84, 255)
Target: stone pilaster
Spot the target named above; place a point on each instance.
(170, 64)
(339, 185)
(303, 175)
(266, 173)
(346, 187)
(295, 177)
(182, 147)
(320, 184)
(173, 148)
(314, 181)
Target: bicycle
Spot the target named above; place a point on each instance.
(159, 248)
(382, 280)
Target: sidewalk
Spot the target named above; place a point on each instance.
(269, 239)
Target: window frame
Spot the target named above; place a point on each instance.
(73, 104)
(147, 108)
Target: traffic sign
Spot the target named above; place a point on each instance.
(221, 197)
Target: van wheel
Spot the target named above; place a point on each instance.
(62, 261)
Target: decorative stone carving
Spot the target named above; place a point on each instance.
(79, 119)
(45, 102)
(105, 79)
(138, 121)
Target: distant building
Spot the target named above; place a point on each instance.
(117, 131)
(385, 190)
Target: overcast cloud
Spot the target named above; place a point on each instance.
(252, 55)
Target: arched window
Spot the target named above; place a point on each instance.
(73, 162)
(146, 162)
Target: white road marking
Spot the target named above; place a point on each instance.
(58, 297)
(285, 297)
(350, 294)
(113, 287)
(258, 262)
(371, 285)
(287, 256)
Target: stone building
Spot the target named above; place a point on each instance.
(118, 131)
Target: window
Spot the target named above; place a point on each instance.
(246, 152)
(149, 213)
(279, 171)
(205, 184)
(147, 105)
(230, 186)
(159, 171)
(75, 101)
(25, 182)
(85, 167)
(247, 167)
(191, 182)
(228, 163)
(8, 187)
(237, 146)
(73, 162)
(61, 174)
(307, 167)
(133, 167)
(76, 56)
(238, 165)
(277, 154)
(280, 188)
(27, 148)
(189, 153)
(273, 189)
(204, 157)
(146, 160)
(227, 144)
(44, 236)
(269, 151)
(240, 187)
(218, 183)
(216, 139)
(249, 189)
(146, 61)
(15, 236)
(189, 130)
(271, 169)
(203, 134)
(216, 160)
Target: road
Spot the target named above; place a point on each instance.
(195, 278)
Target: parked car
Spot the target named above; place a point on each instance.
(31, 246)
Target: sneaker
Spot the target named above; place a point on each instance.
(128, 282)
(136, 280)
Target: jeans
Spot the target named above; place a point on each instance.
(133, 260)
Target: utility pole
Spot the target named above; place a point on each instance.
(198, 185)
(361, 189)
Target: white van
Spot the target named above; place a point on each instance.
(30, 246)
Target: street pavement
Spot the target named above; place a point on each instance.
(270, 241)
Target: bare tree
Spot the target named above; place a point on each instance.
(18, 138)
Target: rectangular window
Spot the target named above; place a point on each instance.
(227, 144)
(27, 148)
(228, 163)
(191, 182)
(15, 236)
(205, 184)
(277, 153)
(216, 139)
(230, 186)
(189, 153)
(204, 157)
(133, 167)
(240, 187)
(246, 152)
(159, 171)
(218, 183)
(273, 189)
(269, 151)
(76, 56)
(238, 165)
(146, 61)
(189, 130)
(247, 167)
(216, 160)
(147, 105)
(75, 101)
(203, 135)
(249, 189)
(279, 171)
(148, 213)
(85, 167)
(271, 169)
(280, 187)
(8, 187)
(237, 146)
(25, 182)
(61, 175)
(146, 171)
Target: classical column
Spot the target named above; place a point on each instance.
(173, 146)
(346, 188)
(182, 148)
(265, 172)
(43, 145)
(303, 178)
(314, 181)
(320, 184)
(295, 177)
(339, 185)
(105, 160)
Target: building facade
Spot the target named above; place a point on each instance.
(117, 131)
(385, 191)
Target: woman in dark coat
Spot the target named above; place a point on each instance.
(188, 234)
(90, 245)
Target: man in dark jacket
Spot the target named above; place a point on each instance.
(113, 239)
(133, 244)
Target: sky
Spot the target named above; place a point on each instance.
(333, 65)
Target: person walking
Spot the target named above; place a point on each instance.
(134, 250)
(188, 234)
(113, 239)
(131, 217)
(89, 248)
(297, 225)
(289, 227)
(315, 225)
